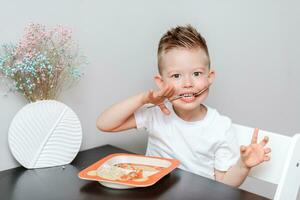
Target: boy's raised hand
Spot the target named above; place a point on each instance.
(158, 97)
(255, 153)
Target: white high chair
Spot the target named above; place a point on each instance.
(284, 167)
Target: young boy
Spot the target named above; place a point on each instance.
(186, 129)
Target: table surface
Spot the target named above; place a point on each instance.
(63, 183)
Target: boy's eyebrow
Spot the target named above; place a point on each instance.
(176, 70)
(202, 68)
(171, 72)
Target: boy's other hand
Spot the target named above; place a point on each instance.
(158, 97)
(255, 153)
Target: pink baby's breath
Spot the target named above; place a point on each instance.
(43, 62)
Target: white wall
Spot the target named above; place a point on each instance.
(254, 46)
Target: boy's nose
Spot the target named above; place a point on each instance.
(188, 82)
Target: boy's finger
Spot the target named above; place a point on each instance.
(154, 94)
(150, 94)
(159, 93)
(170, 93)
(164, 109)
(243, 148)
(162, 92)
(167, 91)
(267, 158)
(267, 150)
(264, 141)
(254, 136)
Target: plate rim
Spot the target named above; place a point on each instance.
(150, 181)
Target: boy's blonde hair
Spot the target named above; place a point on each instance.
(181, 37)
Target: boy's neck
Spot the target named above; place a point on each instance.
(194, 115)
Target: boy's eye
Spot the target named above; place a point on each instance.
(175, 75)
(197, 73)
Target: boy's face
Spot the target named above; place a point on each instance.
(187, 71)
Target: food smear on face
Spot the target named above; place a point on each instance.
(126, 172)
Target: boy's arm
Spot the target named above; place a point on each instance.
(251, 156)
(120, 116)
(235, 176)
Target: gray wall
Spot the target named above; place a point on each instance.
(254, 46)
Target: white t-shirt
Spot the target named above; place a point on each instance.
(200, 146)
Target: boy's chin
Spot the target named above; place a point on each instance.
(186, 106)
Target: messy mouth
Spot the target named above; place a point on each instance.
(187, 95)
(191, 94)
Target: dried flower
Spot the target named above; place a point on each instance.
(44, 62)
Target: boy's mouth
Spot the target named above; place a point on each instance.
(187, 97)
(192, 94)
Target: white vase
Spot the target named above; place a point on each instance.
(45, 134)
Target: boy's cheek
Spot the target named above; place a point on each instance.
(168, 82)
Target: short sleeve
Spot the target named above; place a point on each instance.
(143, 118)
(227, 152)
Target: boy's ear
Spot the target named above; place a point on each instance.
(211, 76)
(159, 81)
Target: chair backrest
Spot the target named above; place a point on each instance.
(283, 169)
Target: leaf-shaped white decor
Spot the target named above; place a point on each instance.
(45, 134)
